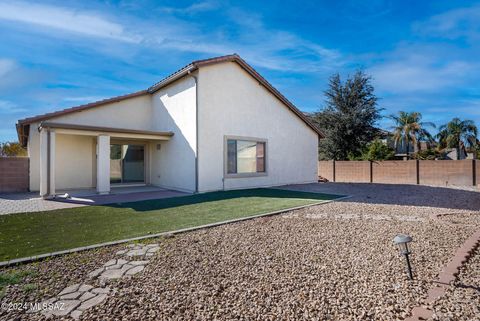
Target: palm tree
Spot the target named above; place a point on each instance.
(458, 133)
(409, 129)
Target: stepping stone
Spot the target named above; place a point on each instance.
(116, 273)
(101, 290)
(121, 261)
(111, 262)
(149, 254)
(71, 296)
(76, 314)
(70, 289)
(137, 252)
(85, 288)
(135, 270)
(65, 307)
(135, 263)
(114, 267)
(96, 272)
(121, 252)
(87, 296)
(152, 245)
(153, 249)
(92, 302)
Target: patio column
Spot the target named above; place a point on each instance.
(103, 164)
(47, 163)
(51, 162)
(43, 163)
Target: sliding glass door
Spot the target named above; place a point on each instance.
(127, 164)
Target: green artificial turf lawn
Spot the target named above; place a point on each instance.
(27, 234)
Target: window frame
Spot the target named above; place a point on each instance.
(244, 175)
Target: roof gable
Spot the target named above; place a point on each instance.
(24, 123)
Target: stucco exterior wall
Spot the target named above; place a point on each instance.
(133, 113)
(232, 103)
(173, 109)
(33, 148)
(75, 162)
(75, 155)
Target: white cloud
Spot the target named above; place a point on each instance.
(261, 46)
(419, 75)
(6, 66)
(453, 24)
(193, 8)
(65, 19)
(7, 107)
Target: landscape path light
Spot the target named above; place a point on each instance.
(402, 241)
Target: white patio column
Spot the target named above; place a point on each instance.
(103, 164)
(47, 163)
(51, 163)
(43, 163)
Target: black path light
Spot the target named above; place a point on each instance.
(402, 242)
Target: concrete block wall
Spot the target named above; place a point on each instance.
(397, 172)
(444, 173)
(326, 170)
(352, 171)
(425, 172)
(14, 174)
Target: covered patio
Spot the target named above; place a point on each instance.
(95, 159)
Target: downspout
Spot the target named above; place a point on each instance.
(195, 78)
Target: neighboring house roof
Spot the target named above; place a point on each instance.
(23, 124)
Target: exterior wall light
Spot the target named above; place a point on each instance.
(402, 242)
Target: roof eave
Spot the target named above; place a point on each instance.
(172, 78)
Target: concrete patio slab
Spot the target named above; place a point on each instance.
(11, 203)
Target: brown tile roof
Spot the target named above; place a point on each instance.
(23, 124)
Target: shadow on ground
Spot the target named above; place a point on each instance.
(157, 204)
(397, 194)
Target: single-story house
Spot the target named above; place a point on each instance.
(214, 124)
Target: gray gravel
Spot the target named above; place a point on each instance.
(328, 262)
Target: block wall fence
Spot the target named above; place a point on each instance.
(14, 174)
(424, 172)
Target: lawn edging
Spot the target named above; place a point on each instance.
(446, 277)
(138, 238)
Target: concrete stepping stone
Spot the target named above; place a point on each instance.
(69, 289)
(92, 302)
(134, 250)
(135, 270)
(65, 307)
(76, 298)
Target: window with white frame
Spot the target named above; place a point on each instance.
(245, 156)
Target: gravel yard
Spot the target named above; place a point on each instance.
(462, 301)
(334, 261)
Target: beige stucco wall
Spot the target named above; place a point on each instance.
(133, 113)
(75, 165)
(33, 148)
(233, 103)
(173, 108)
(75, 162)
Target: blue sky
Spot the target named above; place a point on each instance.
(422, 55)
